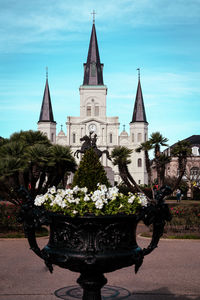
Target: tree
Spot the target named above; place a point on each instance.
(90, 172)
(121, 158)
(157, 140)
(163, 161)
(28, 159)
(181, 150)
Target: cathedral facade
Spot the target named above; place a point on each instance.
(93, 119)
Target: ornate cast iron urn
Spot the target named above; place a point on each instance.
(93, 245)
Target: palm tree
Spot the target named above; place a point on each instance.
(62, 162)
(121, 158)
(163, 161)
(157, 140)
(181, 150)
(28, 159)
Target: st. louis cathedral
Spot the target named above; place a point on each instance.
(93, 118)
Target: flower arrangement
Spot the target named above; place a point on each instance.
(80, 202)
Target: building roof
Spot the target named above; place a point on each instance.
(46, 113)
(139, 114)
(194, 140)
(93, 69)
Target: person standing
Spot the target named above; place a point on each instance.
(178, 195)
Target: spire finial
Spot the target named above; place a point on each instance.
(93, 13)
(138, 69)
(46, 72)
(61, 125)
(124, 127)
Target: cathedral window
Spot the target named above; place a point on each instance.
(89, 110)
(139, 137)
(132, 137)
(145, 137)
(52, 137)
(139, 162)
(74, 138)
(111, 138)
(96, 111)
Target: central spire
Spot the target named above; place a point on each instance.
(93, 69)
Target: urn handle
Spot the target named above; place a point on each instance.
(156, 214)
(34, 217)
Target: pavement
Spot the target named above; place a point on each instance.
(170, 272)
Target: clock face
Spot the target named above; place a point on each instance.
(92, 127)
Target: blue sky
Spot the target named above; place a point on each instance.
(160, 36)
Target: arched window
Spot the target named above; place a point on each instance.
(139, 137)
(132, 137)
(89, 111)
(74, 138)
(96, 110)
(52, 137)
(139, 162)
(194, 171)
(111, 138)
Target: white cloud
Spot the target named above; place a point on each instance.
(23, 21)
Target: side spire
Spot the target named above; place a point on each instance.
(93, 69)
(46, 113)
(139, 114)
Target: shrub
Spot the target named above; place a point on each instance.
(90, 172)
(8, 217)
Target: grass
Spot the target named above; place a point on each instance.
(187, 236)
(20, 234)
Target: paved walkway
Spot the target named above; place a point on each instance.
(171, 272)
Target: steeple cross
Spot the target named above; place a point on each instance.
(93, 13)
(138, 69)
(46, 72)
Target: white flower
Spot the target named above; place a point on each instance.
(52, 190)
(142, 199)
(76, 189)
(39, 200)
(86, 198)
(99, 204)
(112, 193)
(84, 190)
(61, 192)
(77, 200)
(103, 187)
(131, 199)
(75, 212)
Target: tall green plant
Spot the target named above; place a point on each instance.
(90, 172)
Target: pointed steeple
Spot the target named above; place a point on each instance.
(93, 69)
(46, 113)
(139, 114)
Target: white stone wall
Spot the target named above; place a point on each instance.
(107, 130)
(49, 129)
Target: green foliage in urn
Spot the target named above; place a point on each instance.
(90, 172)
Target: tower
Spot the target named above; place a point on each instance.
(46, 123)
(93, 91)
(93, 97)
(138, 135)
